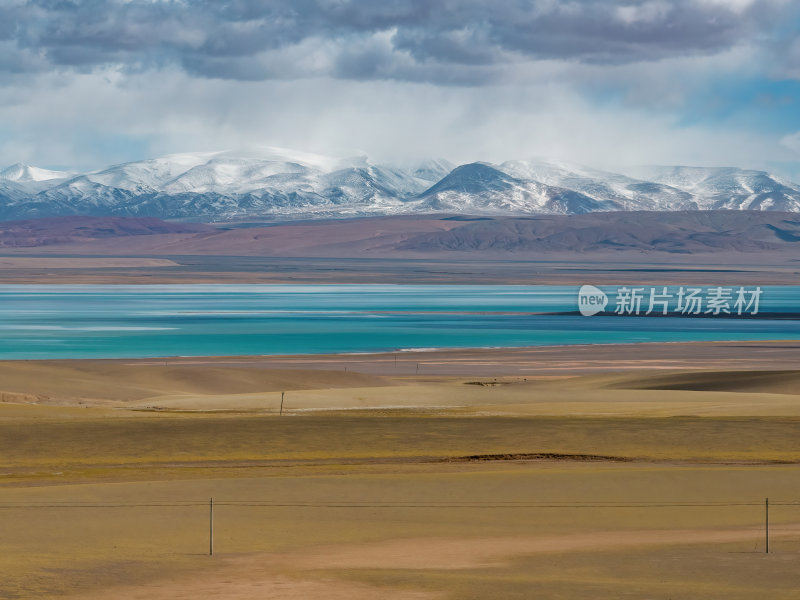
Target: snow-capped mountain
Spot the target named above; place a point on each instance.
(274, 183)
(226, 185)
(479, 188)
(430, 170)
(624, 193)
(20, 182)
(726, 187)
(25, 173)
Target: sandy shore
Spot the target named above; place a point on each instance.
(544, 360)
(600, 379)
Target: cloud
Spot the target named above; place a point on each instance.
(84, 83)
(106, 117)
(792, 142)
(364, 39)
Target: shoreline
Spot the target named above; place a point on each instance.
(503, 361)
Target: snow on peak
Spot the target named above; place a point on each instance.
(278, 182)
(285, 155)
(26, 173)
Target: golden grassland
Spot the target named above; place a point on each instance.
(612, 485)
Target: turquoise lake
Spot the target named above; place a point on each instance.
(115, 321)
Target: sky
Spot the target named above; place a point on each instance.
(85, 84)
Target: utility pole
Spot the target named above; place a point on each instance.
(211, 527)
(766, 523)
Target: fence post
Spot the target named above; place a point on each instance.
(211, 527)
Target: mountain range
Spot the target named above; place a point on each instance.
(279, 184)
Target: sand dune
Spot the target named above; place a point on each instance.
(773, 382)
(677, 379)
(109, 382)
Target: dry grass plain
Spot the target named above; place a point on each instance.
(602, 484)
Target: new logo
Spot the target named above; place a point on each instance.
(591, 300)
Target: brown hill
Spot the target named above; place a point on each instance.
(436, 236)
(685, 232)
(68, 230)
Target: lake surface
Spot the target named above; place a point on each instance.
(115, 321)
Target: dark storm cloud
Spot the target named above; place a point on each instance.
(415, 40)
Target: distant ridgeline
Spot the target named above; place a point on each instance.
(283, 184)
